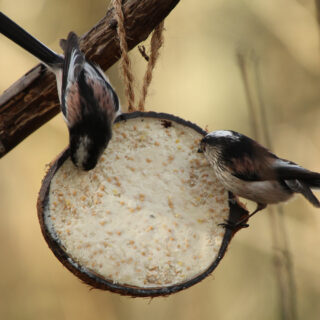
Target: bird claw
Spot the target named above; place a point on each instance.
(233, 225)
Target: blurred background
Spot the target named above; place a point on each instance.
(197, 78)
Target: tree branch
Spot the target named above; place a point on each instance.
(33, 100)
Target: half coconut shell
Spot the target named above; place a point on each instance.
(145, 221)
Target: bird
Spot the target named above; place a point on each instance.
(251, 171)
(88, 102)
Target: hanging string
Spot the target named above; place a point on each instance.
(156, 44)
(124, 61)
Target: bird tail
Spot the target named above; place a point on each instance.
(25, 40)
(313, 183)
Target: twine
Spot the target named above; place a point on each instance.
(156, 44)
(124, 61)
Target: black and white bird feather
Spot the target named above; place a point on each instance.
(88, 102)
(251, 171)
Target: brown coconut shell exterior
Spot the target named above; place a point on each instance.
(237, 211)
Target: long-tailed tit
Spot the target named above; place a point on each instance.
(251, 171)
(88, 102)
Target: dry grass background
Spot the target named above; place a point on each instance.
(197, 78)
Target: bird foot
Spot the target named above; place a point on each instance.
(234, 226)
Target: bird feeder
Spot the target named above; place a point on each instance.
(145, 221)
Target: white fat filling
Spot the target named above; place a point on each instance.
(148, 214)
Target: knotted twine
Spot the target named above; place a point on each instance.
(125, 64)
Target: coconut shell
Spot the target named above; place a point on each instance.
(94, 279)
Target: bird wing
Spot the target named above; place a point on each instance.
(104, 94)
(254, 164)
(298, 179)
(85, 88)
(301, 187)
(73, 65)
(287, 170)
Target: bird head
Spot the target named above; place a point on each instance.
(218, 140)
(88, 140)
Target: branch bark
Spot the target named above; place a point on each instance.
(33, 100)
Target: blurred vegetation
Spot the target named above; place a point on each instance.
(197, 77)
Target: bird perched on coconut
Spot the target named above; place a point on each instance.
(251, 171)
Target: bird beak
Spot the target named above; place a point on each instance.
(201, 147)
